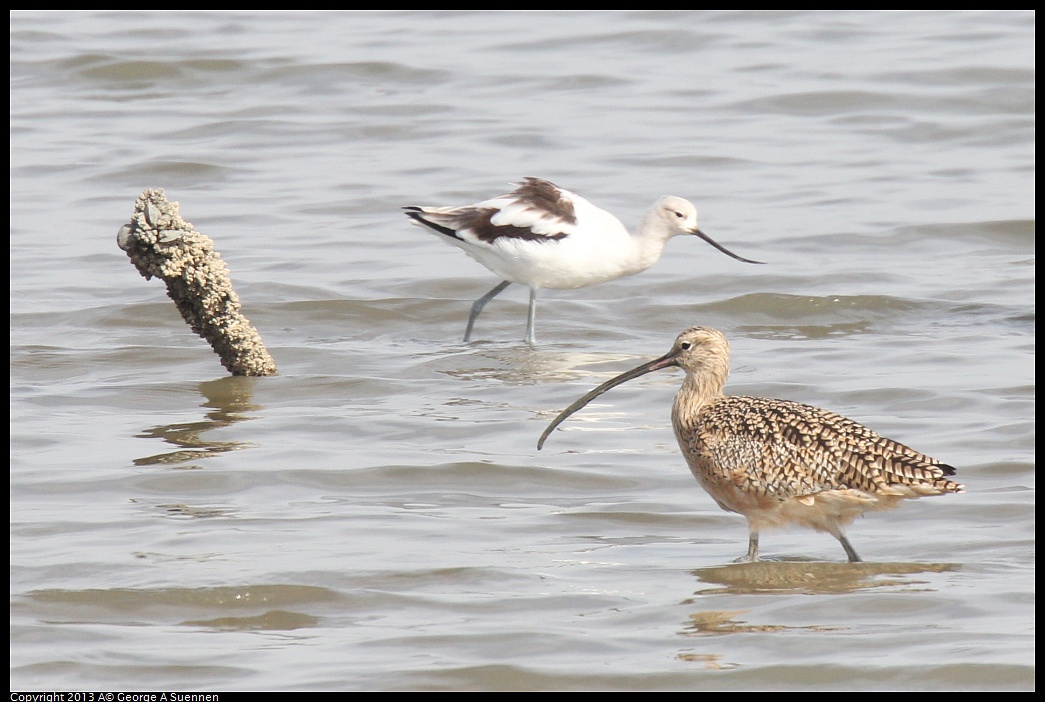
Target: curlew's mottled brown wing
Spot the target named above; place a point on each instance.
(786, 449)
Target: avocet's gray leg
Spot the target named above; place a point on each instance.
(531, 318)
(479, 304)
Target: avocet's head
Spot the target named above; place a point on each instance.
(679, 216)
(678, 213)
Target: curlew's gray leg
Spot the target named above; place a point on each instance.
(531, 318)
(853, 558)
(479, 304)
(752, 549)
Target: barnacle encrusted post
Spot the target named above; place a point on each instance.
(160, 243)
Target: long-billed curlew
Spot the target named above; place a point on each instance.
(542, 236)
(774, 461)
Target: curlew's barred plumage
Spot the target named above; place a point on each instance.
(779, 462)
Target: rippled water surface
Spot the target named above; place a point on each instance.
(377, 515)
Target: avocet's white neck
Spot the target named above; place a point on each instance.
(653, 234)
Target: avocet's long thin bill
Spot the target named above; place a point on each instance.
(722, 248)
(664, 361)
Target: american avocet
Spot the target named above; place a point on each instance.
(774, 461)
(542, 236)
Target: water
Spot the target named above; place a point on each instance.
(377, 516)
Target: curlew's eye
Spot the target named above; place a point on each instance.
(685, 346)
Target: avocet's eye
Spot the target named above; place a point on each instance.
(679, 215)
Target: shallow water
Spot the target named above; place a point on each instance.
(377, 515)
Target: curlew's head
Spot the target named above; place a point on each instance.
(673, 215)
(702, 352)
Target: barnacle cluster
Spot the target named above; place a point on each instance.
(163, 245)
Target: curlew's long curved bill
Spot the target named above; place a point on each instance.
(665, 361)
(722, 248)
